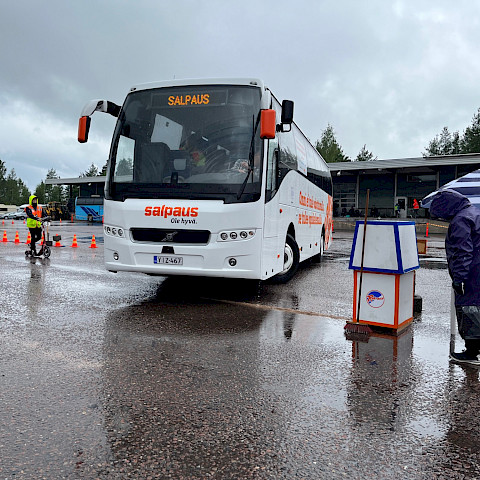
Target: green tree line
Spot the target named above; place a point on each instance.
(447, 143)
(331, 151)
(13, 191)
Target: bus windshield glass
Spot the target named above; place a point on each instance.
(188, 142)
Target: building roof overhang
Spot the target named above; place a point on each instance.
(403, 163)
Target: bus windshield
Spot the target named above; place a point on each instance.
(188, 142)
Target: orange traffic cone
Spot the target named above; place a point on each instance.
(58, 244)
(29, 239)
(13, 223)
(3, 222)
(74, 244)
(93, 244)
(24, 222)
(5, 236)
(43, 240)
(17, 238)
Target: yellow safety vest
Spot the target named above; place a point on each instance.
(31, 223)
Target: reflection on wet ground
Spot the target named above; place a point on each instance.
(129, 376)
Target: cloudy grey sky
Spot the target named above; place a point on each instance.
(388, 74)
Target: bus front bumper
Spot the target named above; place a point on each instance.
(236, 259)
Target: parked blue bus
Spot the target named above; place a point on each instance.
(89, 208)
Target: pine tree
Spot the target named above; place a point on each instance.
(103, 172)
(445, 142)
(329, 148)
(54, 193)
(365, 156)
(471, 137)
(40, 192)
(92, 171)
(12, 196)
(3, 181)
(23, 192)
(456, 145)
(433, 148)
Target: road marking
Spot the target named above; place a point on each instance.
(281, 309)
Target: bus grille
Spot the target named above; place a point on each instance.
(159, 235)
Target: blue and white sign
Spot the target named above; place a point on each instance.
(375, 299)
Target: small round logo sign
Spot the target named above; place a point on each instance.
(375, 298)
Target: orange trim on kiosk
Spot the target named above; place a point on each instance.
(355, 296)
(397, 300)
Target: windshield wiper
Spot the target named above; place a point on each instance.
(250, 157)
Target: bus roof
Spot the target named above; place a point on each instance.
(255, 82)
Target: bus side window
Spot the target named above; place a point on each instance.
(287, 154)
(272, 169)
(328, 186)
(124, 160)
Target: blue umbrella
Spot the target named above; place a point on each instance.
(468, 185)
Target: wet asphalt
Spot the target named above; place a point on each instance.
(107, 376)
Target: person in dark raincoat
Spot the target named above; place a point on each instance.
(462, 245)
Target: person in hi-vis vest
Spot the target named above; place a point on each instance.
(34, 214)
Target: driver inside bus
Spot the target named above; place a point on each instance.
(195, 146)
(34, 214)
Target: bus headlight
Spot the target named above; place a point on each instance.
(114, 231)
(236, 235)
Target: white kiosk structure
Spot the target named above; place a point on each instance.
(388, 273)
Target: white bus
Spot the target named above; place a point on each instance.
(211, 178)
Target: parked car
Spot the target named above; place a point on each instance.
(20, 216)
(14, 216)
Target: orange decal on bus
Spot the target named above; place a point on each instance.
(305, 219)
(166, 212)
(310, 203)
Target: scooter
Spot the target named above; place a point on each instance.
(45, 249)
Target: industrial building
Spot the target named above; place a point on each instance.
(397, 181)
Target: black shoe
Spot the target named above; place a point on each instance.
(464, 357)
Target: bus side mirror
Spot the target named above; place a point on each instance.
(267, 124)
(287, 112)
(83, 129)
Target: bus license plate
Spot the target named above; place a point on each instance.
(167, 260)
